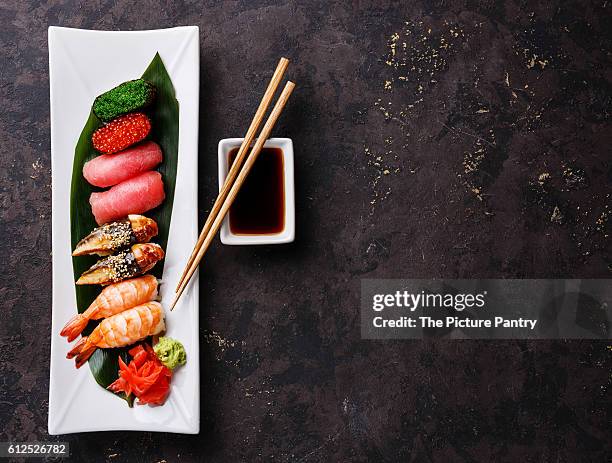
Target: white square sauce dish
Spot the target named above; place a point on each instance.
(264, 210)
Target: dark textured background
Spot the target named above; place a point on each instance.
(480, 148)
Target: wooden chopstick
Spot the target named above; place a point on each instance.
(246, 168)
(277, 77)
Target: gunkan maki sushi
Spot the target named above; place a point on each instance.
(128, 97)
(121, 133)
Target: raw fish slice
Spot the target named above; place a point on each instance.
(110, 169)
(134, 196)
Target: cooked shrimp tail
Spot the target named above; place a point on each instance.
(74, 327)
(82, 350)
(76, 348)
(84, 355)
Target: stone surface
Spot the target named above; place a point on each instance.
(480, 148)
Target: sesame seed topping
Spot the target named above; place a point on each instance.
(119, 266)
(117, 234)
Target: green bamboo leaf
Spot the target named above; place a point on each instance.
(164, 114)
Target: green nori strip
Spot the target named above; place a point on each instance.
(123, 99)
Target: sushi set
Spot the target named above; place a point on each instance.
(124, 129)
(124, 159)
(122, 191)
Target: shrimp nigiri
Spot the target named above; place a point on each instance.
(122, 329)
(112, 300)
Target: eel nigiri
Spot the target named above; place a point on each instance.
(139, 259)
(134, 196)
(124, 98)
(120, 133)
(120, 330)
(109, 169)
(113, 236)
(112, 300)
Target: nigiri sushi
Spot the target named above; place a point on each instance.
(139, 259)
(113, 236)
(120, 330)
(125, 98)
(109, 169)
(134, 196)
(120, 133)
(113, 299)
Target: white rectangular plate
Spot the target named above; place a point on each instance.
(83, 64)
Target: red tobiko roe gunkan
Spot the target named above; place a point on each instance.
(121, 133)
(145, 377)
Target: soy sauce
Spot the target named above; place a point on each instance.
(259, 207)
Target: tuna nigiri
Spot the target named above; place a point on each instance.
(134, 196)
(110, 169)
